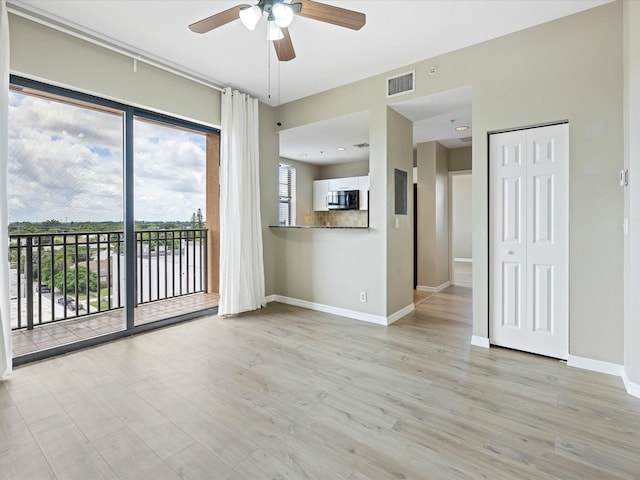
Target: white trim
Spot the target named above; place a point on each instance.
(270, 298)
(463, 260)
(595, 365)
(394, 317)
(423, 288)
(478, 341)
(632, 388)
(343, 312)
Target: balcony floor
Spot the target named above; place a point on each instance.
(69, 331)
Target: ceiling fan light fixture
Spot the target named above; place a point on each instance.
(273, 31)
(250, 16)
(283, 14)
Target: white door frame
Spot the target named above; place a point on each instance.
(489, 232)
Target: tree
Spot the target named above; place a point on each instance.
(71, 280)
(199, 219)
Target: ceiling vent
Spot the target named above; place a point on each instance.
(361, 145)
(401, 84)
(466, 139)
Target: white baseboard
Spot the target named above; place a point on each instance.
(480, 341)
(595, 365)
(460, 283)
(423, 288)
(394, 317)
(271, 298)
(632, 388)
(463, 260)
(343, 312)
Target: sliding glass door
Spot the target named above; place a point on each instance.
(65, 201)
(170, 217)
(108, 217)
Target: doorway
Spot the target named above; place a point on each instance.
(460, 227)
(528, 239)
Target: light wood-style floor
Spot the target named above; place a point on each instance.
(287, 393)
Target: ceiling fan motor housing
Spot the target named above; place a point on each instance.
(267, 6)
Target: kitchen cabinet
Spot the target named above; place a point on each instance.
(347, 183)
(322, 187)
(363, 186)
(320, 190)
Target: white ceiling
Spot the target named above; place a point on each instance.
(397, 33)
(435, 117)
(318, 143)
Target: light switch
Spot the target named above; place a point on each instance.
(624, 178)
(397, 222)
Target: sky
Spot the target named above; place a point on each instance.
(66, 163)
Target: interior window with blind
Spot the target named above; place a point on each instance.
(287, 210)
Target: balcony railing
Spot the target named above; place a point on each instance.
(59, 276)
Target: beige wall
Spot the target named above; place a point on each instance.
(538, 75)
(632, 194)
(513, 93)
(460, 159)
(331, 267)
(42, 53)
(341, 170)
(433, 215)
(269, 161)
(399, 227)
(461, 218)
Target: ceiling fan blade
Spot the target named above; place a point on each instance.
(284, 47)
(330, 14)
(217, 20)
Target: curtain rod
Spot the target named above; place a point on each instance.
(61, 27)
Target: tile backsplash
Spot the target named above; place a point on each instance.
(336, 218)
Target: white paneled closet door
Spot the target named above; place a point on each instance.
(529, 240)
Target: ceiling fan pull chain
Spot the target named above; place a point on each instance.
(269, 70)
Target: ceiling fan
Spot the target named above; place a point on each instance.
(279, 14)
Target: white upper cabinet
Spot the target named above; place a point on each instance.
(347, 183)
(363, 186)
(322, 187)
(320, 190)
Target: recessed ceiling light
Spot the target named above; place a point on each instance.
(341, 149)
(462, 128)
(303, 154)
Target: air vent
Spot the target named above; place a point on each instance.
(401, 84)
(466, 139)
(361, 145)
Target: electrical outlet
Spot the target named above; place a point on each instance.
(363, 297)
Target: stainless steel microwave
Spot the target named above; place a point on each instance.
(343, 200)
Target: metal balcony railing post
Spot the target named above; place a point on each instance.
(204, 262)
(28, 270)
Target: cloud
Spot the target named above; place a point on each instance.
(66, 163)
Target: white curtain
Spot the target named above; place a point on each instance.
(241, 260)
(5, 312)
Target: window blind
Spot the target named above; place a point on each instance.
(287, 206)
